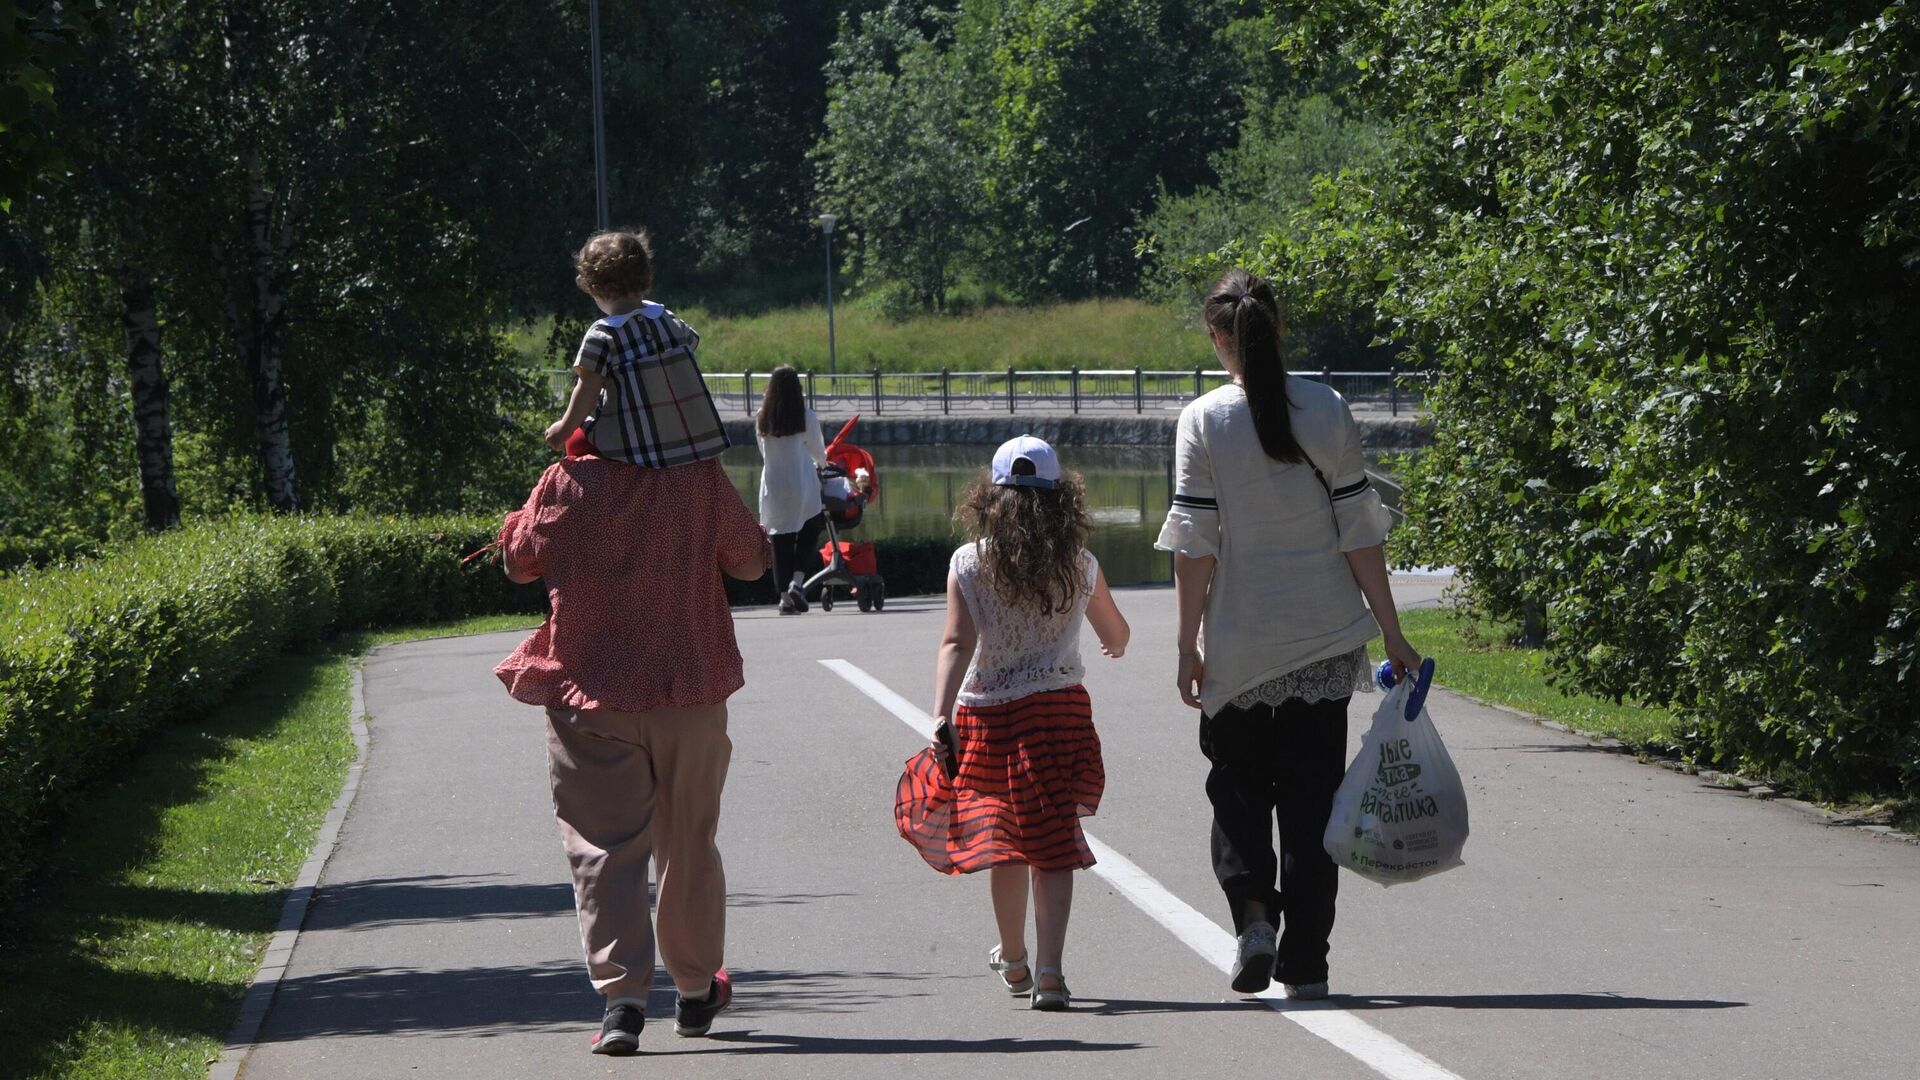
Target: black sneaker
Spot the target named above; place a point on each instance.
(694, 1018)
(620, 1030)
(797, 597)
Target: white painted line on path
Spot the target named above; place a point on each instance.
(909, 713)
(1353, 1036)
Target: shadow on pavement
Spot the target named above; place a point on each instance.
(1558, 748)
(1124, 1007)
(395, 901)
(378, 902)
(753, 1042)
(484, 1001)
(463, 1002)
(1525, 1001)
(738, 899)
(775, 993)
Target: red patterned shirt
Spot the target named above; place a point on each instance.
(632, 559)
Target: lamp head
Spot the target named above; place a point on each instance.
(826, 223)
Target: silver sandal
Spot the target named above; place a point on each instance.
(1001, 967)
(1050, 1000)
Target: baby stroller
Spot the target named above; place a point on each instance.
(848, 484)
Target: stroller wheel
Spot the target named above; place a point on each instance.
(864, 598)
(826, 598)
(879, 588)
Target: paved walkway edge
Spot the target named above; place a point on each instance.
(293, 914)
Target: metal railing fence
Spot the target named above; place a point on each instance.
(1072, 391)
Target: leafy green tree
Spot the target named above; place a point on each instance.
(38, 38)
(315, 219)
(1664, 255)
(1266, 184)
(1096, 106)
(746, 218)
(1020, 141)
(898, 157)
(1265, 178)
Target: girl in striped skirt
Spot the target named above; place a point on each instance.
(1016, 761)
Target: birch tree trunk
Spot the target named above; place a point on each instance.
(263, 355)
(146, 371)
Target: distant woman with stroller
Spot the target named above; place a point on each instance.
(1277, 538)
(790, 508)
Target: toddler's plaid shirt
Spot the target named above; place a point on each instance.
(655, 409)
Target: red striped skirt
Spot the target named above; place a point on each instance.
(1030, 769)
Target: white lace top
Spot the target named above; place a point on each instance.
(1323, 680)
(1022, 650)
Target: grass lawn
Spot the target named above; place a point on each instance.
(1482, 666)
(1485, 668)
(1089, 334)
(1907, 817)
(131, 957)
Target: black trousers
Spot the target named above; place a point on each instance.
(797, 551)
(1278, 763)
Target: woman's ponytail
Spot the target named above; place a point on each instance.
(1241, 307)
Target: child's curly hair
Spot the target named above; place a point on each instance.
(1036, 535)
(615, 264)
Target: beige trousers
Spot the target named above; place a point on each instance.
(632, 786)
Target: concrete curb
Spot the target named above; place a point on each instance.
(293, 914)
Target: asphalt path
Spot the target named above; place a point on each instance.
(1613, 919)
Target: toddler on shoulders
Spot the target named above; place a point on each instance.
(640, 397)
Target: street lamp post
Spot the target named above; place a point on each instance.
(826, 227)
(599, 123)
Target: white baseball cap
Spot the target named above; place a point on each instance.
(1025, 461)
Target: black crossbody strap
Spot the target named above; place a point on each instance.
(1324, 486)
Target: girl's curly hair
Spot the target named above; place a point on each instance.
(617, 264)
(1035, 535)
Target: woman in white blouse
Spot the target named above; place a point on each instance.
(791, 449)
(1276, 535)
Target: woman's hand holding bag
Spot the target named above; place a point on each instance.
(1401, 813)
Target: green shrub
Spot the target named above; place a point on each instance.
(1662, 256)
(92, 656)
(20, 551)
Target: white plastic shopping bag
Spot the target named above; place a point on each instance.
(1401, 813)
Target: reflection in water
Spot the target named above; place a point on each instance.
(1127, 496)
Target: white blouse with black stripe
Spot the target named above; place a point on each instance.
(1282, 595)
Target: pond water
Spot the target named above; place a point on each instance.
(1127, 496)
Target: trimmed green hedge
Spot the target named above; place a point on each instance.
(94, 655)
(21, 551)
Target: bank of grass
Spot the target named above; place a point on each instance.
(1089, 334)
(1477, 662)
(1906, 817)
(130, 956)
